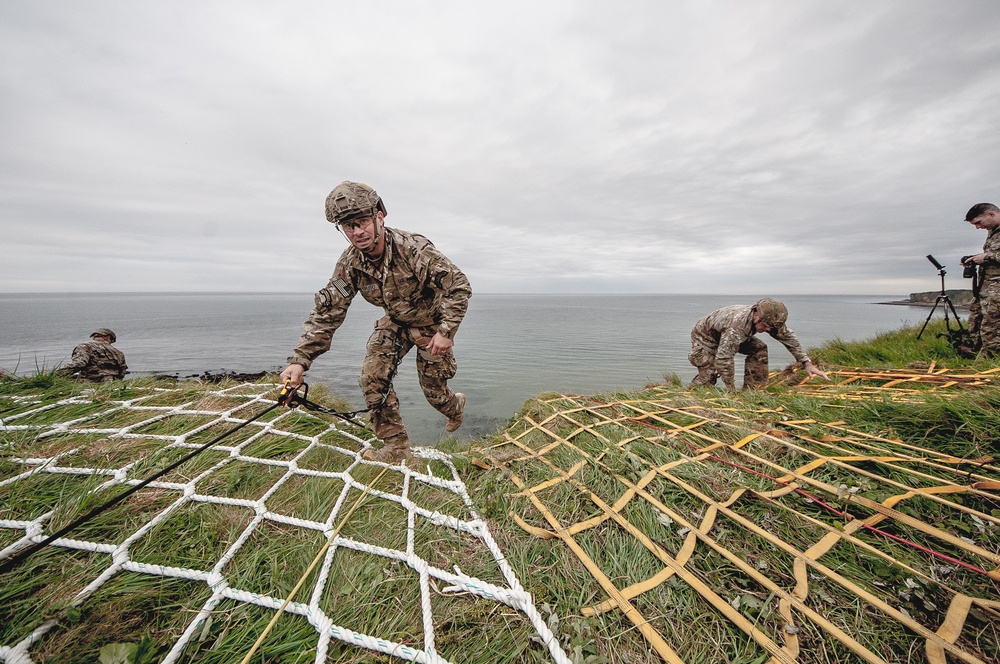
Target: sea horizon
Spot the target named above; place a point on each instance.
(509, 348)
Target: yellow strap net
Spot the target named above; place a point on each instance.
(695, 481)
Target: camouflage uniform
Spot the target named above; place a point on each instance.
(716, 338)
(96, 361)
(984, 314)
(422, 292)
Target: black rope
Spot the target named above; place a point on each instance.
(288, 397)
(16, 559)
(294, 399)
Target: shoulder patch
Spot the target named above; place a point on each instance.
(341, 287)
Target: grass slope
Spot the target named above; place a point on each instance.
(581, 463)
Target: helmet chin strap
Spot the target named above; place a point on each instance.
(379, 234)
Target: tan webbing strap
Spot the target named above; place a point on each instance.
(651, 635)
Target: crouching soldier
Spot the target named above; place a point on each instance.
(719, 336)
(97, 360)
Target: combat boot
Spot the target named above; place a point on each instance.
(706, 376)
(394, 451)
(455, 422)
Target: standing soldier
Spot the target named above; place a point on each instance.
(424, 297)
(97, 360)
(984, 314)
(717, 338)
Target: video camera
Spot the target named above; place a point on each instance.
(969, 269)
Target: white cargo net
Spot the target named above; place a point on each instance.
(249, 399)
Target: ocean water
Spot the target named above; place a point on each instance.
(509, 348)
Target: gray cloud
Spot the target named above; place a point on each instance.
(724, 147)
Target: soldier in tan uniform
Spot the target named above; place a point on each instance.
(424, 296)
(984, 314)
(716, 338)
(97, 360)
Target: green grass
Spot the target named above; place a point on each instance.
(961, 423)
(381, 596)
(898, 349)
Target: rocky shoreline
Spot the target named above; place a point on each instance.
(218, 376)
(960, 299)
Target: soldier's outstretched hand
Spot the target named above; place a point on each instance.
(811, 370)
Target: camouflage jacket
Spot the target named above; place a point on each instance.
(725, 329)
(414, 283)
(97, 361)
(990, 268)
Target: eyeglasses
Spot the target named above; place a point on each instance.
(351, 225)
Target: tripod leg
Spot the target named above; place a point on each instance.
(952, 307)
(928, 318)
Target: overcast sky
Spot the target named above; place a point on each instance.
(655, 146)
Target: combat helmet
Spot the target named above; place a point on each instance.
(104, 332)
(350, 200)
(772, 312)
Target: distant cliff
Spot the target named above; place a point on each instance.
(960, 298)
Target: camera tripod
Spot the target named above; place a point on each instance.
(946, 306)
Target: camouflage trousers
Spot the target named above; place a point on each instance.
(433, 373)
(984, 319)
(702, 356)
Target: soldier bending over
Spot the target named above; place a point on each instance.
(716, 338)
(424, 297)
(97, 360)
